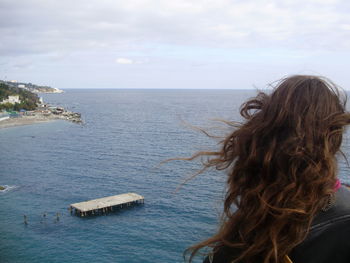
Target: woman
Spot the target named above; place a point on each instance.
(284, 202)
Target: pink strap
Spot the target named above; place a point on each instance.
(337, 185)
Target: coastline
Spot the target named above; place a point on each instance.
(29, 120)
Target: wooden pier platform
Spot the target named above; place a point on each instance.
(106, 204)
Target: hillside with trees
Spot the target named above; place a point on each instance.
(28, 99)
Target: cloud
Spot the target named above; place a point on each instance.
(21, 65)
(124, 61)
(44, 27)
(174, 42)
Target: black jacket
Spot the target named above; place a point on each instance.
(328, 240)
(329, 237)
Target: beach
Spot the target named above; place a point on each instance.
(25, 120)
(39, 118)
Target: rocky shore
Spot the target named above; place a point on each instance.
(41, 115)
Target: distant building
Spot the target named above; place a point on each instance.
(12, 100)
(22, 86)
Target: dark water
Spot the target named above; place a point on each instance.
(127, 133)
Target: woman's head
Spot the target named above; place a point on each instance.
(281, 167)
(301, 106)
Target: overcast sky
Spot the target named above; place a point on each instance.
(215, 44)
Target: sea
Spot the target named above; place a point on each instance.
(121, 147)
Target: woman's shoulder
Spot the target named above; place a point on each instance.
(338, 212)
(329, 234)
(330, 228)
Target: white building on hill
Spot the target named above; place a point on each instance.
(12, 100)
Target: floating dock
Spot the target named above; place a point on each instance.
(106, 204)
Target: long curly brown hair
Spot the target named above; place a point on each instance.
(281, 165)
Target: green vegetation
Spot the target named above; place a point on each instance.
(28, 99)
(2, 188)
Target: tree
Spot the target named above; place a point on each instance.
(28, 99)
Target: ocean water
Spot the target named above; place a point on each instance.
(125, 136)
